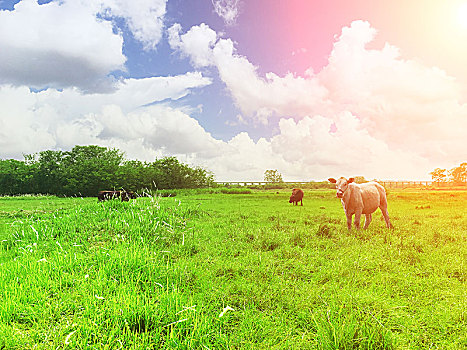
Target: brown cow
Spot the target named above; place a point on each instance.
(124, 195)
(127, 195)
(361, 199)
(297, 196)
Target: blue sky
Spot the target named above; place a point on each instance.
(313, 89)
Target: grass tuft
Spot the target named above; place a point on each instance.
(325, 230)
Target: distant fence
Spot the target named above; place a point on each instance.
(387, 184)
(258, 183)
(406, 184)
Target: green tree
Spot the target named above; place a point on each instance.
(439, 175)
(200, 177)
(459, 174)
(88, 169)
(85, 170)
(15, 177)
(132, 175)
(48, 171)
(169, 173)
(272, 176)
(359, 179)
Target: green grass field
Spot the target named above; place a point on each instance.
(232, 271)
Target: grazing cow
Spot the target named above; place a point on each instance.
(124, 195)
(297, 196)
(127, 195)
(361, 199)
(104, 195)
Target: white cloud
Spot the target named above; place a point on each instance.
(306, 150)
(145, 18)
(67, 43)
(160, 127)
(228, 10)
(49, 119)
(129, 94)
(407, 105)
(57, 44)
(255, 96)
(272, 95)
(309, 147)
(22, 128)
(196, 44)
(149, 130)
(387, 110)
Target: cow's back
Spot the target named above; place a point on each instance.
(105, 195)
(297, 194)
(372, 196)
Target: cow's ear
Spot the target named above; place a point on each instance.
(332, 180)
(352, 179)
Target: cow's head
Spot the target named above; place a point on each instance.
(341, 185)
(294, 193)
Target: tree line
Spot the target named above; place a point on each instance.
(85, 170)
(457, 175)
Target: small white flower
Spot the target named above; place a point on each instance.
(98, 297)
(86, 277)
(227, 308)
(67, 339)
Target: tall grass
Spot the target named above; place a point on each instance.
(96, 275)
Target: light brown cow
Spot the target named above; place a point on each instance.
(361, 199)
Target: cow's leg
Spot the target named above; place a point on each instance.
(349, 221)
(358, 214)
(301, 202)
(367, 220)
(385, 213)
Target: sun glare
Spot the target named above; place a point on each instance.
(462, 15)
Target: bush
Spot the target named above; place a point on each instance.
(166, 193)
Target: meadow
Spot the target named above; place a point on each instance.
(232, 270)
